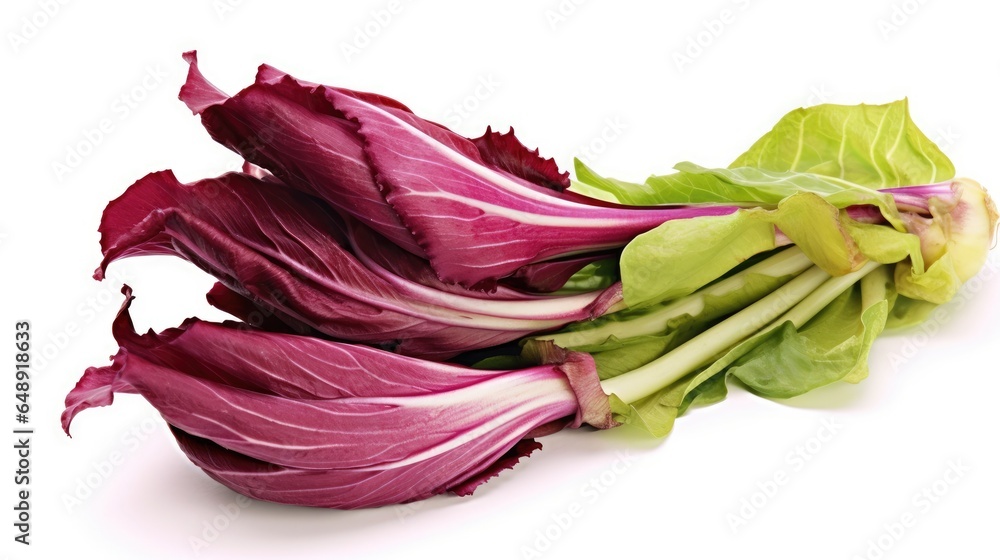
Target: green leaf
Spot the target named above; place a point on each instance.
(503, 361)
(657, 412)
(907, 312)
(680, 256)
(589, 183)
(780, 361)
(833, 346)
(614, 355)
(597, 275)
(955, 241)
(875, 146)
(751, 185)
(619, 354)
(818, 229)
(935, 284)
(840, 152)
(938, 284)
(746, 186)
(885, 245)
(619, 329)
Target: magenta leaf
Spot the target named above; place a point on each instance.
(477, 209)
(288, 128)
(272, 414)
(504, 151)
(292, 258)
(476, 223)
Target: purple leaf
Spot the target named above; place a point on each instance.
(343, 489)
(286, 413)
(288, 128)
(478, 209)
(506, 152)
(477, 224)
(549, 276)
(291, 257)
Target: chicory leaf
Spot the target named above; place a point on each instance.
(286, 251)
(286, 408)
(833, 346)
(593, 271)
(288, 128)
(876, 146)
(721, 298)
(747, 186)
(505, 152)
(844, 347)
(478, 209)
(954, 242)
(680, 256)
(343, 488)
(477, 224)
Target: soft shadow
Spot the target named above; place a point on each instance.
(592, 440)
(838, 395)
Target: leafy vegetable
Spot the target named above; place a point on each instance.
(699, 251)
(283, 251)
(840, 153)
(954, 240)
(356, 220)
(693, 184)
(833, 346)
(659, 359)
(702, 307)
(875, 146)
(479, 210)
(289, 128)
(338, 425)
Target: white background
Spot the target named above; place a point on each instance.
(564, 74)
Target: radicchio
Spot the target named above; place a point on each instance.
(307, 421)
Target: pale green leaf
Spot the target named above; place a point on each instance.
(875, 146)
